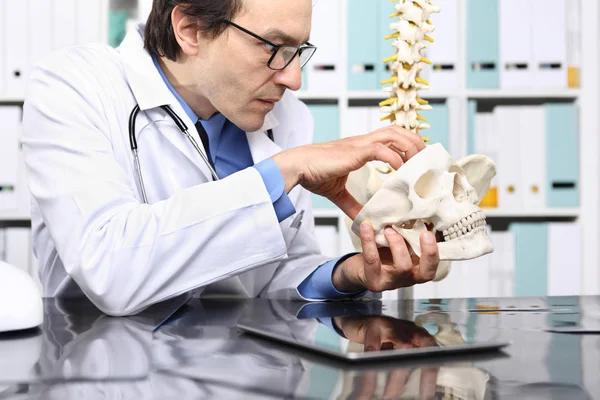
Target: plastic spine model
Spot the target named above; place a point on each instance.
(410, 35)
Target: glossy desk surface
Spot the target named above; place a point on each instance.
(198, 352)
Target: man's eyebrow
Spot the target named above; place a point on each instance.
(276, 35)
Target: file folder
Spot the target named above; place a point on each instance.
(531, 262)
(515, 29)
(15, 56)
(443, 53)
(506, 126)
(324, 70)
(482, 44)
(326, 128)
(39, 30)
(363, 44)
(564, 258)
(549, 43)
(438, 118)
(64, 18)
(3, 73)
(471, 126)
(562, 154)
(532, 157)
(89, 21)
(9, 156)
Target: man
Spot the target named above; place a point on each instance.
(130, 229)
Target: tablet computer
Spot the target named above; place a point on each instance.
(367, 338)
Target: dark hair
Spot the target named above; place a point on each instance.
(159, 36)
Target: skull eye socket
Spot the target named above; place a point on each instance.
(427, 186)
(458, 190)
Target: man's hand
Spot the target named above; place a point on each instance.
(386, 333)
(323, 168)
(378, 269)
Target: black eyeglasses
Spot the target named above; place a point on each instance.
(281, 56)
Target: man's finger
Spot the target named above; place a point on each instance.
(348, 204)
(428, 383)
(400, 255)
(380, 152)
(370, 252)
(430, 258)
(396, 382)
(368, 386)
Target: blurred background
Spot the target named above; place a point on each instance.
(516, 80)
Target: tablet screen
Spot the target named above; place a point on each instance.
(369, 337)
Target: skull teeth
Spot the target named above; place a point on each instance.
(473, 223)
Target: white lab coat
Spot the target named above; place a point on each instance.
(93, 235)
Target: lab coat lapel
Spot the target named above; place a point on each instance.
(150, 93)
(261, 147)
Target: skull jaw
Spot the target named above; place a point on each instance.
(466, 247)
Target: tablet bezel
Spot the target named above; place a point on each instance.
(264, 332)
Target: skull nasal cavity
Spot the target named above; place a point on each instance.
(458, 190)
(427, 185)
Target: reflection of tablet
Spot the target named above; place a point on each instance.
(312, 335)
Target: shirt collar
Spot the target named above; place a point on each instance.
(214, 124)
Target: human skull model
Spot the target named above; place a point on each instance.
(430, 191)
(410, 35)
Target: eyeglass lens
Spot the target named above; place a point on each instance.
(285, 54)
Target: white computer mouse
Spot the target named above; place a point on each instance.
(20, 300)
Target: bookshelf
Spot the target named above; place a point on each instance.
(586, 97)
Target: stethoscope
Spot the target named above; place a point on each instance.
(183, 128)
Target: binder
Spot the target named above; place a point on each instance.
(438, 118)
(564, 258)
(482, 44)
(64, 20)
(443, 53)
(562, 154)
(357, 121)
(363, 44)
(9, 153)
(39, 30)
(89, 22)
(324, 70)
(327, 237)
(515, 43)
(15, 56)
(472, 127)
(531, 259)
(3, 73)
(532, 157)
(18, 247)
(549, 43)
(506, 127)
(384, 47)
(326, 128)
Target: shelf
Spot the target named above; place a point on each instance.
(14, 217)
(303, 95)
(10, 101)
(489, 212)
(379, 94)
(522, 93)
(326, 213)
(543, 213)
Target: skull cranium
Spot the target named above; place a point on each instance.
(432, 192)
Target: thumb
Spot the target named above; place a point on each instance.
(348, 204)
(430, 257)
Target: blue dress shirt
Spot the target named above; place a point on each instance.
(230, 152)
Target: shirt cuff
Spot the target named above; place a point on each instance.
(271, 176)
(319, 284)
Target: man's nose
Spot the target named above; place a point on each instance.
(290, 76)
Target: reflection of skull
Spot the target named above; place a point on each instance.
(433, 192)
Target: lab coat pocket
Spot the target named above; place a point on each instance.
(290, 233)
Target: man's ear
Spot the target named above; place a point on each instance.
(186, 31)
